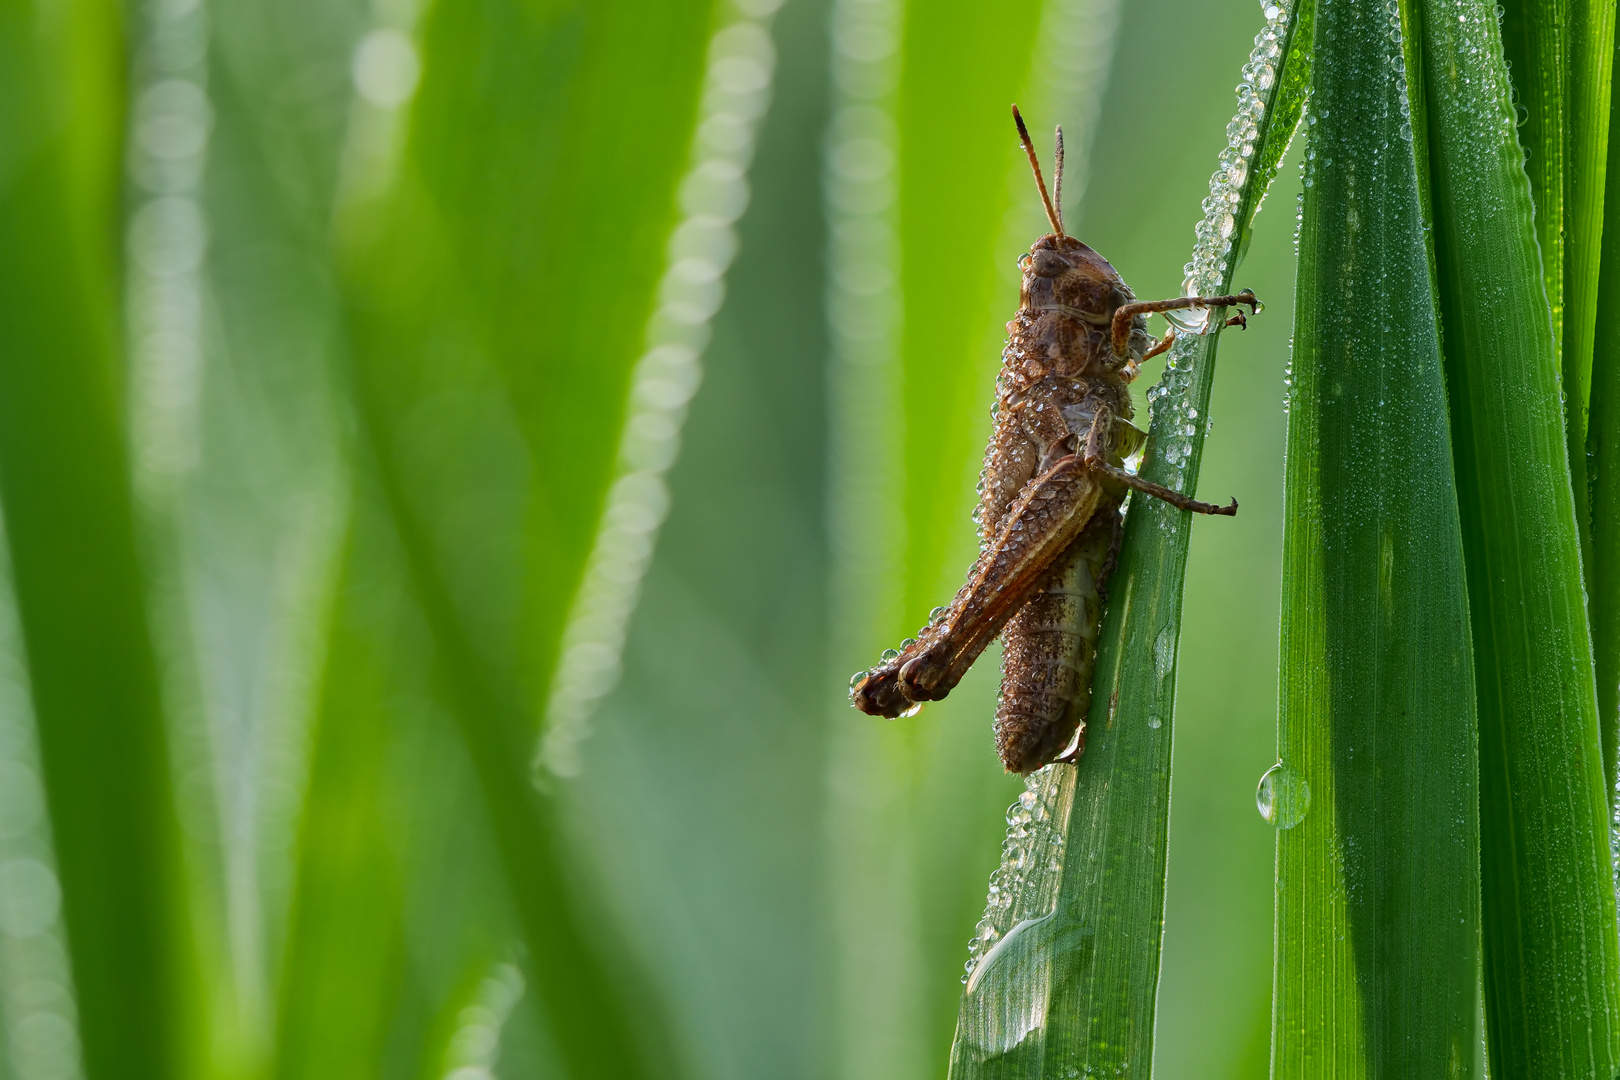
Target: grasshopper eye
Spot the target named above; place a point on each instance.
(1048, 264)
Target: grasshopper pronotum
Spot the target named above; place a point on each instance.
(1050, 494)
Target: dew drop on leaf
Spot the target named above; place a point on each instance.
(1282, 797)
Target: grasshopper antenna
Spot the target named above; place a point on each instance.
(1040, 181)
(1057, 182)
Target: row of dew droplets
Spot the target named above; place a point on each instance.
(1009, 970)
(1025, 885)
(1174, 417)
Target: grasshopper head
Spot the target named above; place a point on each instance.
(1061, 273)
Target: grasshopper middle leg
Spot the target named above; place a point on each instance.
(1097, 461)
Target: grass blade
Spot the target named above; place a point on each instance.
(1603, 448)
(1587, 93)
(345, 938)
(1069, 985)
(1560, 54)
(917, 195)
(1374, 793)
(499, 281)
(1552, 974)
(70, 524)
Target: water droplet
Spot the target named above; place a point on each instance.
(1283, 797)
(855, 679)
(889, 654)
(936, 616)
(916, 707)
(1164, 651)
(1154, 721)
(907, 643)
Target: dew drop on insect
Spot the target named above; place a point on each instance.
(855, 679)
(907, 643)
(936, 616)
(1283, 797)
(889, 654)
(916, 707)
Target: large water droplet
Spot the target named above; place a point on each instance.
(1283, 797)
(1164, 651)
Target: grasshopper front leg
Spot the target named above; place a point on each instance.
(1125, 314)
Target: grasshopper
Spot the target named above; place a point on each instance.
(1050, 494)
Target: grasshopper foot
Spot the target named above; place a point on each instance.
(878, 693)
(922, 676)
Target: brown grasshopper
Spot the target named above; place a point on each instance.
(1050, 494)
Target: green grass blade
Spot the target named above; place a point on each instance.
(499, 280)
(1535, 42)
(1551, 965)
(1374, 794)
(399, 888)
(1587, 94)
(948, 267)
(1068, 987)
(238, 458)
(1560, 54)
(70, 524)
(1603, 446)
(345, 941)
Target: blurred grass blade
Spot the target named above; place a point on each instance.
(70, 525)
(1552, 974)
(949, 272)
(236, 429)
(499, 278)
(400, 888)
(1374, 793)
(917, 196)
(1068, 988)
(345, 939)
(1603, 446)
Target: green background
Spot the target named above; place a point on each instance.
(291, 708)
